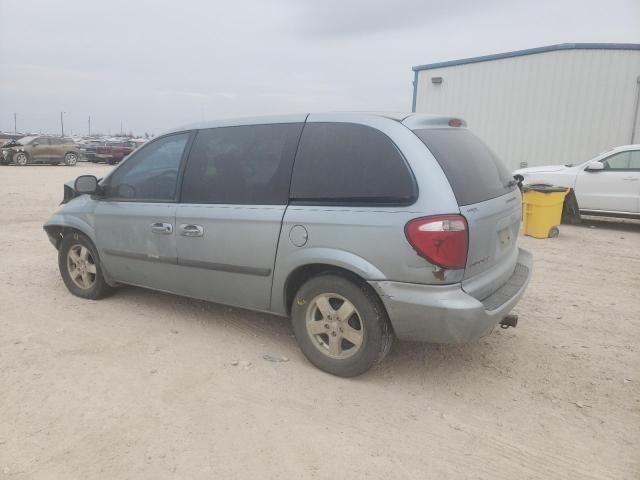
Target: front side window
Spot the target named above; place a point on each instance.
(629, 160)
(347, 164)
(41, 141)
(619, 161)
(241, 165)
(151, 174)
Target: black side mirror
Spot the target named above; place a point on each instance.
(86, 184)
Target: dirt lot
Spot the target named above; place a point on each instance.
(142, 384)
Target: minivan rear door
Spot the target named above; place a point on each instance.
(234, 195)
(488, 198)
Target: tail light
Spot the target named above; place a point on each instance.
(442, 240)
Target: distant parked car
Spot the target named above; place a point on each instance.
(88, 150)
(113, 153)
(41, 149)
(607, 185)
(384, 226)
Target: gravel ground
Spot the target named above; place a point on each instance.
(149, 385)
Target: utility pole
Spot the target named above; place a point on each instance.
(89, 125)
(120, 127)
(62, 124)
(15, 122)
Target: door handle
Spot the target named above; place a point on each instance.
(632, 179)
(162, 228)
(191, 230)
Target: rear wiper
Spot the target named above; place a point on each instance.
(511, 183)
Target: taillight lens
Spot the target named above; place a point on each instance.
(443, 240)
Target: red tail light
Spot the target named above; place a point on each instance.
(442, 240)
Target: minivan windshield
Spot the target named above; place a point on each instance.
(475, 173)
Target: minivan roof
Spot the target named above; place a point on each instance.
(410, 120)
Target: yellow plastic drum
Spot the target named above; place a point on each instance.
(542, 210)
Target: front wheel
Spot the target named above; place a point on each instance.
(21, 159)
(340, 326)
(80, 267)
(70, 159)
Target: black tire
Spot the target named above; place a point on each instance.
(570, 209)
(369, 315)
(99, 287)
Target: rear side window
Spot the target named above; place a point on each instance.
(242, 165)
(475, 173)
(346, 164)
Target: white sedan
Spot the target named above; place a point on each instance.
(608, 184)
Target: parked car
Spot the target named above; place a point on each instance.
(41, 149)
(89, 149)
(608, 184)
(384, 226)
(113, 153)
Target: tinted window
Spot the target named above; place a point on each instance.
(41, 141)
(345, 163)
(245, 165)
(152, 173)
(619, 161)
(475, 173)
(634, 160)
(56, 141)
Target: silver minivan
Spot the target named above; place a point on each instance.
(361, 227)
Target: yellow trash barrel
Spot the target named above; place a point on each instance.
(542, 210)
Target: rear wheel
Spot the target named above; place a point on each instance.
(21, 159)
(70, 159)
(80, 267)
(341, 326)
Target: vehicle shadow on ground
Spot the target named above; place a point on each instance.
(406, 360)
(624, 225)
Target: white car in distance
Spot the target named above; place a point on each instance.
(607, 185)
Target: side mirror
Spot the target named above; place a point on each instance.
(86, 184)
(35, 144)
(594, 167)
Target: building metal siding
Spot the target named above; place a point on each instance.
(555, 107)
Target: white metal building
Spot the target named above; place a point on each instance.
(551, 105)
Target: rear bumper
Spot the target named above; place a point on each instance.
(446, 313)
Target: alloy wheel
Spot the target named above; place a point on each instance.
(81, 266)
(21, 159)
(71, 159)
(335, 326)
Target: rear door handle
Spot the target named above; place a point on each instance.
(191, 230)
(162, 228)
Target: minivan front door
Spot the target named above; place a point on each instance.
(135, 221)
(234, 195)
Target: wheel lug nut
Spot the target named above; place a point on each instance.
(333, 334)
(326, 325)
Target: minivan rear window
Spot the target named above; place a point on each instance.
(475, 173)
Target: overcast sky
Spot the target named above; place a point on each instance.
(153, 65)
